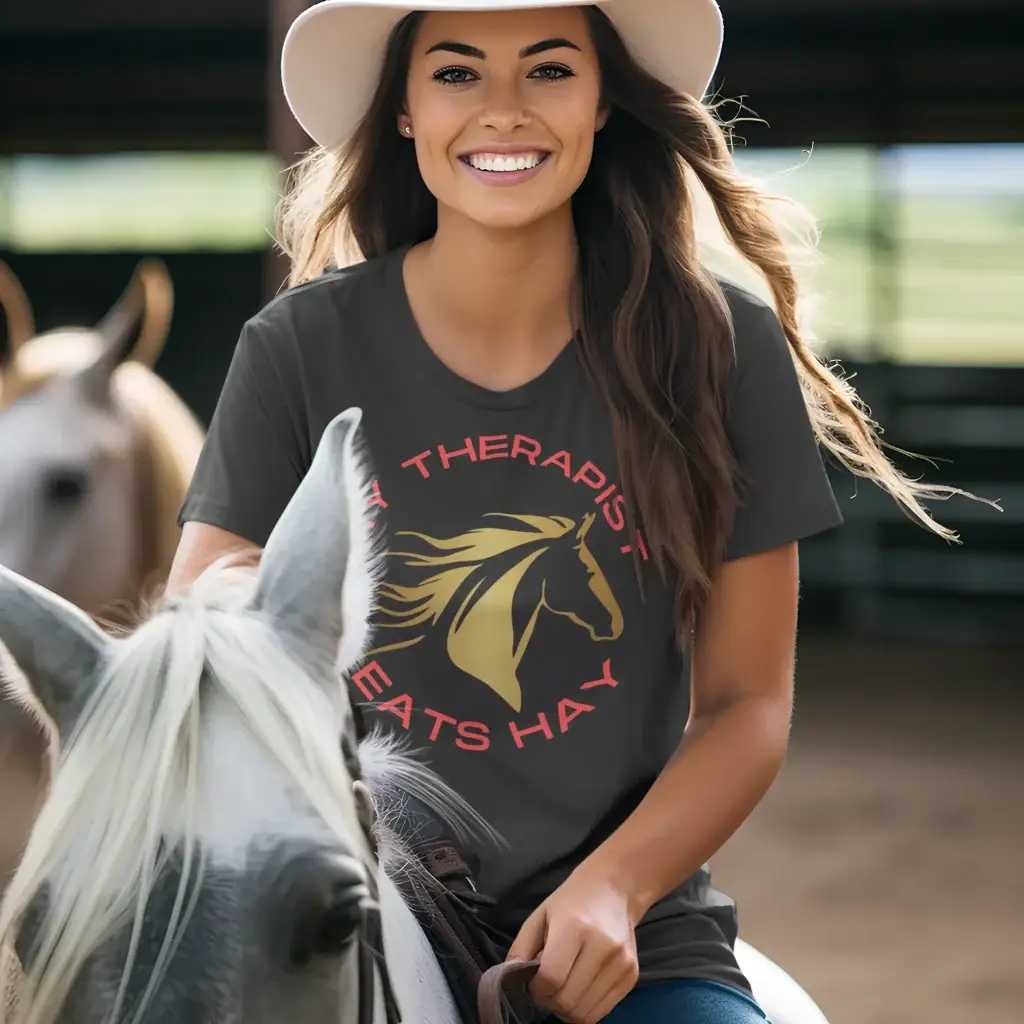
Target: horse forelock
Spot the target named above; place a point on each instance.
(206, 736)
(46, 356)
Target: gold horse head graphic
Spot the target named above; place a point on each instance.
(492, 584)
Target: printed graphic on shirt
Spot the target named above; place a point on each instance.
(488, 587)
(474, 599)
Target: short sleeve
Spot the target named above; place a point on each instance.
(784, 491)
(252, 460)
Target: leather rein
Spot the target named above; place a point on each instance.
(372, 961)
(500, 981)
(495, 984)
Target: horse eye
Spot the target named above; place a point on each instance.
(339, 926)
(328, 895)
(66, 486)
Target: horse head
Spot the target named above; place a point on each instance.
(203, 854)
(70, 453)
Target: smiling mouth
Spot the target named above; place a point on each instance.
(504, 163)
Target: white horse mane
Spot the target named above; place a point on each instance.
(134, 766)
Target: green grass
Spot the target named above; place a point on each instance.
(160, 202)
(937, 276)
(955, 246)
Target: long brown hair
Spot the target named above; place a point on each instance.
(655, 331)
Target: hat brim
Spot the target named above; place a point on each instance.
(334, 51)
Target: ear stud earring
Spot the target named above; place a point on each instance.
(408, 130)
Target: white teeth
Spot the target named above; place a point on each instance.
(496, 162)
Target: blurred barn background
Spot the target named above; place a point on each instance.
(885, 868)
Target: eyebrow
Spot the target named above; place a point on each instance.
(465, 50)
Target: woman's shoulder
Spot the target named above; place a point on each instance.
(336, 306)
(751, 314)
(761, 345)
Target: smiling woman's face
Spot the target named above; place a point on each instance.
(503, 107)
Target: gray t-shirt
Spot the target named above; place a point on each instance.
(512, 644)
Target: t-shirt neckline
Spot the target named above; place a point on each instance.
(425, 361)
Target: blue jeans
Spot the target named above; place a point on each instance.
(689, 1001)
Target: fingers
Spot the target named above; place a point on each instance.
(531, 938)
(586, 973)
(581, 976)
(557, 959)
(608, 998)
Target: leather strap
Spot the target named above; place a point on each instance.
(371, 961)
(500, 981)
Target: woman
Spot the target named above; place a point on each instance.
(593, 460)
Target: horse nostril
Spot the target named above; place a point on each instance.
(66, 486)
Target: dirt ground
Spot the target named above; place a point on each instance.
(885, 869)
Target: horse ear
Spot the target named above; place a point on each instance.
(17, 312)
(314, 578)
(158, 307)
(57, 646)
(135, 327)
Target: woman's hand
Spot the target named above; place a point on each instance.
(584, 936)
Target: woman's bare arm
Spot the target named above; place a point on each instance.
(200, 546)
(742, 668)
(741, 685)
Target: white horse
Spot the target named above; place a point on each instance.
(202, 854)
(96, 453)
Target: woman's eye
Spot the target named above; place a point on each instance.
(454, 76)
(551, 72)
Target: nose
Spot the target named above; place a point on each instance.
(504, 110)
(324, 895)
(65, 485)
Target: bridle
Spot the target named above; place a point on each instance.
(372, 961)
(496, 983)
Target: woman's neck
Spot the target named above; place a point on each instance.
(495, 305)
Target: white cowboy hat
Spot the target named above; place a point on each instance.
(334, 50)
